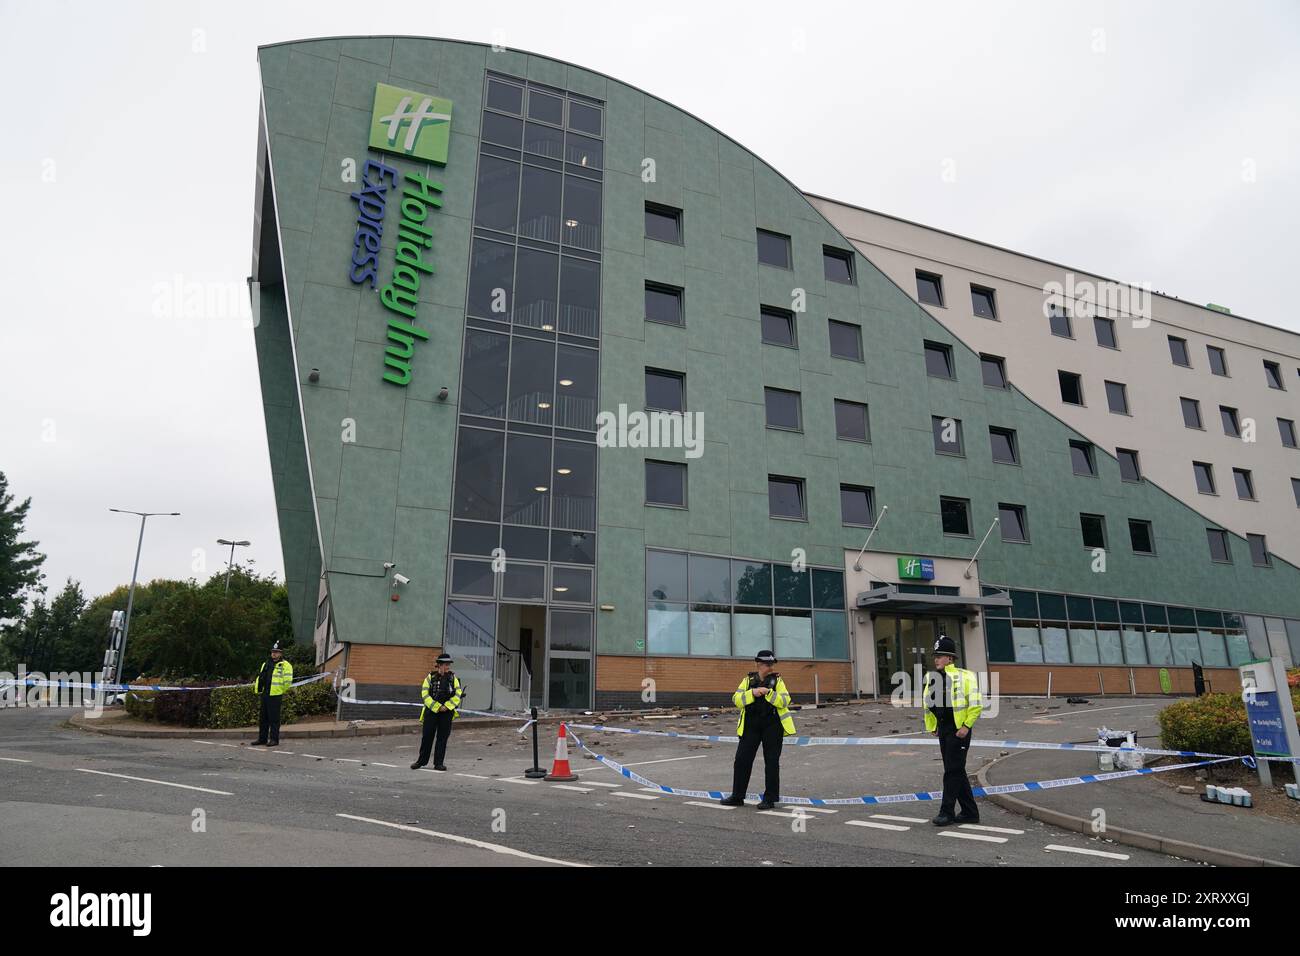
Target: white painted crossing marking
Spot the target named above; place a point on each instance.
(494, 847)
(635, 796)
(312, 756)
(163, 783)
(348, 760)
(646, 763)
(651, 790)
(476, 776)
(792, 815)
(526, 783)
(816, 809)
(391, 766)
(565, 786)
(977, 826)
(15, 760)
(210, 743)
(972, 836)
(886, 816)
(1085, 852)
(876, 826)
(289, 752)
(597, 783)
(701, 803)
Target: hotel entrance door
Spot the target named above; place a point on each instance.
(905, 642)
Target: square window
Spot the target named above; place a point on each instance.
(1094, 530)
(837, 264)
(1117, 397)
(665, 391)
(1071, 387)
(1220, 549)
(663, 303)
(857, 506)
(505, 97)
(1058, 318)
(1129, 467)
(1231, 425)
(1191, 412)
(1245, 484)
(663, 223)
(1178, 352)
(665, 483)
(1286, 428)
(1218, 359)
(851, 422)
(1105, 329)
(773, 249)
(1003, 442)
(929, 288)
(955, 513)
(584, 118)
(1204, 477)
(785, 498)
(983, 302)
(994, 370)
(1259, 555)
(1011, 519)
(545, 107)
(947, 436)
(1082, 459)
(938, 360)
(1139, 535)
(778, 327)
(783, 409)
(1273, 375)
(846, 340)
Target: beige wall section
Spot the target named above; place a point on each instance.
(1155, 426)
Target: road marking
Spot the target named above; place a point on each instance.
(876, 826)
(391, 766)
(164, 783)
(565, 786)
(15, 760)
(236, 746)
(1100, 710)
(289, 752)
(817, 810)
(792, 815)
(348, 760)
(210, 743)
(977, 826)
(476, 776)
(635, 796)
(886, 816)
(972, 836)
(1085, 852)
(644, 763)
(651, 790)
(494, 847)
(597, 783)
(526, 783)
(312, 757)
(701, 803)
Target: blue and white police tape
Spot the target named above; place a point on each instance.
(894, 797)
(416, 703)
(123, 688)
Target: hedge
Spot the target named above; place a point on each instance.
(1215, 723)
(228, 706)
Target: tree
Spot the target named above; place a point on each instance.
(20, 562)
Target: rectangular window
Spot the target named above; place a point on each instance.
(929, 288)
(955, 513)
(1204, 477)
(1219, 547)
(1071, 387)
(665, 391)
(1082, 459)
(994, 370)
(785, 498)
(947, 436)
(1058, 318)
(938, 360)
(1273, 375)
(1129, 466)
(1231, 425)
(1140, 536)
(1178, 352)
(1105, 329)
(851, 422)
(665, 483)
(1218, 359)
(846, 340)
(983, 302)
(663, 303)
(1286, 428)
(1011, 519)
(1191, 412)
(1295, 490)
(1259, 555)
(1094, 530)
(1117, 397)
(837, 264)
(778, 327)
(773, 249)
(1003, 443)
(663, 223)
(1245, 484)
(783, 409)
(857, 505)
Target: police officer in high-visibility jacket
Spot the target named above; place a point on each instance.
(765, 721)
(441, 693)
(952, 704)
(270, 684)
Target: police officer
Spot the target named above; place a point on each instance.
(952, 704)
(441, 693)
(270, 684)
(765, 720)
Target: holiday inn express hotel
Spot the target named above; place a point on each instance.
(563, 380)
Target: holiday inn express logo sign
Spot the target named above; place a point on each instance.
(415, 126)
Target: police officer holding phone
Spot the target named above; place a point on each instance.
(952, 703)
(765, 721)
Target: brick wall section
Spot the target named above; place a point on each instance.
(390, 664)
(704, 682)
(1077, 679)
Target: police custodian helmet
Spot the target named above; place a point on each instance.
(444, 659)
(765, 657)
(945, 645)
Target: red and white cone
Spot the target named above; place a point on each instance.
(560, 772)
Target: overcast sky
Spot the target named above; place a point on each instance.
(1149, 142)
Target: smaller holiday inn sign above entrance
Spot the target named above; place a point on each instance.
(415, 126)
(916, 569)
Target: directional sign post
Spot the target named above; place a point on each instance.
(1273, 731)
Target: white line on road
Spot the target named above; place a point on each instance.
(312, 756)
(565, 786)
(348, 760)
(972, 836)
(977, 826)
(701, 803)
(476, 776)
(651, 790)
(886, 816)
(817, 810)
(792, 815)
(597, 783)
(876, 826)
(15, 760)
(1099, 710)
(289, 752)
(526, 783)
(635, 796)
(164, 783)
(494, 847)
(1085, 852)
(643, 763)
(391, 766)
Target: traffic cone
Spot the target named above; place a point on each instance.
(560, 772)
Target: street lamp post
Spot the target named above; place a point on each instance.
(130, 598)
(231, 562)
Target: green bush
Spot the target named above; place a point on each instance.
(1215, 723)
(228, 706)
(140, 703)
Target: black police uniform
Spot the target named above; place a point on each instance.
(442, 687)
(762, 728)
(268, 722)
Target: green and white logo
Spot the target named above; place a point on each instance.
(410, 124)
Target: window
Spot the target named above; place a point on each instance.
(665, 483)
(837, 264)
(1059, 319)
(1129, 468)
(994, 370)
(663, 303)
(663, 223)
(929, 288)
(1094, 531)
(947, 436)
(1219, 546)
(584, 118)
(773, 249)
(778, 327)
(665, 391)
(1286, 428)
(846, 340)
(1231, 426)
(1003, 442)
(983, 302)
(783, 409)
(857, 505)
(1273, 375)
(1191, 412)
(785, 498)
(955, 513)
(503, 96)
(1117, 397)
(851, 422)
(1082, 460)
(1178, 352)
(1218, 359)
(1139, 535)
(938, 360)
(1295, 490)
(1011, 519)
(1105, 329)
(1245, 484)
(1259, 555)
(1204, 477)
(1071, 387)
